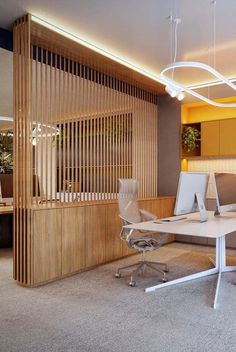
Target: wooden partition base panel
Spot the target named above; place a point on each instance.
(69, 240)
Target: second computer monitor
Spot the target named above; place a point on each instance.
(225, 186)
(6, 188)
(191, 194)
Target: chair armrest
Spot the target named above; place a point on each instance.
(125, 234)
(146, 215)
(125, 221)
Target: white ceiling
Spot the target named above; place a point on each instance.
(139, 30)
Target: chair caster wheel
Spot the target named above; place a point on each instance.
(164, 279)
(132, 283)
(118, 275)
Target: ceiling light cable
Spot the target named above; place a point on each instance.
(214, 33)
(173, 90)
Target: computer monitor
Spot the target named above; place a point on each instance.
(6, 188)
(225, 187)
(191, 194)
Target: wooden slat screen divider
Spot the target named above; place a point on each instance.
(22, 151)
(77, 131)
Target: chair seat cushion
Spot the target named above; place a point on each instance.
(147, 244)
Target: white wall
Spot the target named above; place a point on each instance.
(211, 166)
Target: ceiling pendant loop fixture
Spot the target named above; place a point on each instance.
(176, 89)
(174, 86)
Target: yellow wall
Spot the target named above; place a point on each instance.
(184, 165)
(198, 112)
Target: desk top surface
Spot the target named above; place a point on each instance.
(215, 227)
(6, 209)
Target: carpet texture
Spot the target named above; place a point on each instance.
(95, 312)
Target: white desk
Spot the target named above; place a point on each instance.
(216, 227)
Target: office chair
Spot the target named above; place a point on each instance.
(143, 241)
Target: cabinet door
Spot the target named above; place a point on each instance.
(47, 245)
(95, 234)
(114, 244)
(210, 138)
(73, 240)
(228, 137)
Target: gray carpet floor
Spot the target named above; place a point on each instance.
(95, 312)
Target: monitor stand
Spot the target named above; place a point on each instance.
(201, 207)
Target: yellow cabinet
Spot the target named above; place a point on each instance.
(228, 137)
(210, 138)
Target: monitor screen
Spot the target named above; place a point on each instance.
(225, 187)
(6, 187)
(190, 185)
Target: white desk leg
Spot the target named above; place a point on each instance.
(217, 290)
(183, 279)
(225, 267)
(229, 268)
(219, 268)
(220, 264)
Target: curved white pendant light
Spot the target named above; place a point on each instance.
(38, 130)
(180, 88)
(6, 118)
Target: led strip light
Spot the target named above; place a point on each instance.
(93, 47)
(160, 79)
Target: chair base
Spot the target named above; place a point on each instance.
(141, 267)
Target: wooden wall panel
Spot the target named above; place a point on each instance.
(161, 207)
(95, 228)
(47, 245)
(114, 245)
(68, 240)
(73, 239)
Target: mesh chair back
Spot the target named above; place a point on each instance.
(127, 200)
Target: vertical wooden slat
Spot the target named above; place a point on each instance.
(45, 129)
(80, 87)
(76, 109)
(68, 130)
(84, 131)
(64, 104)
(16, 143)
(87, 178)
(73, 118)
(56, 117)
(35, 104)
(51, 130)
(60, 129)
